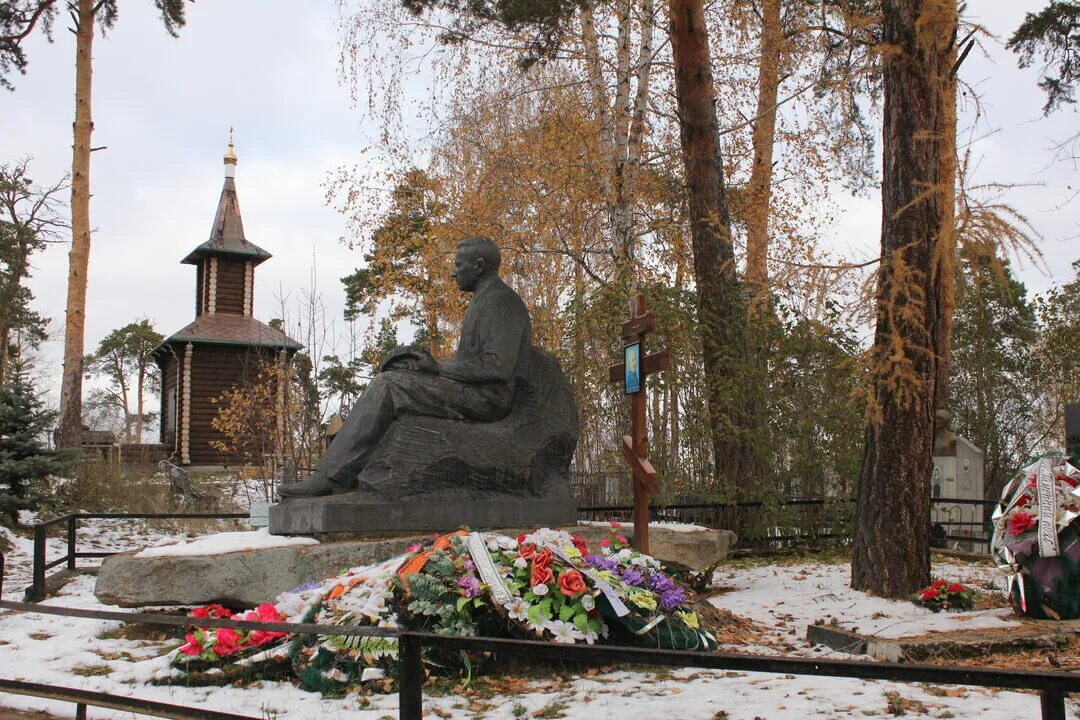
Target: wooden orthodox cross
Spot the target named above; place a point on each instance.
(635, 446)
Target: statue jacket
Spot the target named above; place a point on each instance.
(496, 337)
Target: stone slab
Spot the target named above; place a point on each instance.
(341, 514)
(237, 579)
(248, 577)
(1032, 634)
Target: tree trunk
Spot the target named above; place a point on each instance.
(720, 305)
(79, 257)
(891, 555)
(946, 266)
(139, 400)
(759, 190)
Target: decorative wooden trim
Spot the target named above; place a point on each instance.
(282, 362)
(249, 271)
(185, 422)
(211, 305)
(177, 404)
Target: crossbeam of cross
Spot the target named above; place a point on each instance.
(635, 446)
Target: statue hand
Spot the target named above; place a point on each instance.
(426, 364)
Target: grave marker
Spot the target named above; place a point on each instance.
(635, 446)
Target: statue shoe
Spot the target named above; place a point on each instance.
(314, 486)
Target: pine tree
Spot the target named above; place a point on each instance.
(25, 461)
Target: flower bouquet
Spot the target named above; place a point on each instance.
(944, 595)
(541, 585)
(1037, 539)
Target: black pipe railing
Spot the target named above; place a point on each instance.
(710, 514)
(36, 591)
(1051, 686)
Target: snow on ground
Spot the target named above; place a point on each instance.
(88, 654)
(787, 597)
(222, 543)
(664, 525)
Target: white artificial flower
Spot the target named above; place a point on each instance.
(564, 632)
(492, 544)
(546, 537)
(521, 563)
(587, 602)
(591, 637)
(540, 590)
(518, 609)
(603, 629)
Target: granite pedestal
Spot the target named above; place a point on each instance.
(346, 514)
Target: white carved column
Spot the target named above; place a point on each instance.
(211, 305)
(249, 276)
(185, 421)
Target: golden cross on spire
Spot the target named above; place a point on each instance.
(230, 152)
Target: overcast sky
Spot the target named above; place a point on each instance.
(163, 106)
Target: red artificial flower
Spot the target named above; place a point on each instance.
(957, 588)
(261, 637)
(1033, 482)
(227, 642)
(269, 613)
(543, 558)
(571, 583)
(193, 647)
(521, 539)
(1020, 523)
(541, 575)
(605, 543)
(527, 551)
(1071, 482)
(212, 611)
(622, 539)
(928, 594)
(938, 584)
(616, 525)
(579, 544)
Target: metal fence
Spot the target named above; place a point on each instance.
(1051, 686)
(70, 523)
(799, 521)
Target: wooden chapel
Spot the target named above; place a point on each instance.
(224, 344)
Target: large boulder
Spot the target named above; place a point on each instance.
(238, 579)
(246, 578)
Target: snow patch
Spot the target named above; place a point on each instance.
(661, 524)
(222, 543)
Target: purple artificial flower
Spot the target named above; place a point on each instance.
(631, 576)
(470, 586)
(661, 583)
(671, 599)
(469, 565)
(601, 563)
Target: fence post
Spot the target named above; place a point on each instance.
(36, 593)
(1053, 704)
(410, 678)
(72, 519)
(80, 711)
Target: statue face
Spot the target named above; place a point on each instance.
(468, 268)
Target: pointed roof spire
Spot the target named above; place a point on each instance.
(227, 234)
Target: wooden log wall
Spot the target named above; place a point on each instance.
(215, 369)
(230, 286)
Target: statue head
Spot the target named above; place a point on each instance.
(476, 258)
